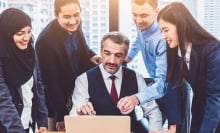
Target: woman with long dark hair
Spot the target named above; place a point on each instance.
(193, 60)
(22, 100)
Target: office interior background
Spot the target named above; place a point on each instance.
(101, 16)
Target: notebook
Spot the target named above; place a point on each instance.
(97, 124)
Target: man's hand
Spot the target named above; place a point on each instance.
(127, 59)
(60, 126)
(86, 109)
(96, 59)
(41, 130)
(126, 104)
(161, 131)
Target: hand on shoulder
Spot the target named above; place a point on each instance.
(96, 59)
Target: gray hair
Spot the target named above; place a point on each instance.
(116, 37)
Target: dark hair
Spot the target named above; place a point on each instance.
(153, 3)
(59, 3)
(11, 21)
(188, 30)
(116, 37)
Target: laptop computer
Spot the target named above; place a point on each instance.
(97, 124)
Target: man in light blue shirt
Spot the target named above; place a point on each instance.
(153, 48)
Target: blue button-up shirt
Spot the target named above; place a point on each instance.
(153, 49)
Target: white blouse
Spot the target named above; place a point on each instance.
(187, 55)
(27, 95)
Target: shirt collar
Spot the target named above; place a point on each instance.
(188, 51)
(150, 30)
(187, 54)
(106, 75)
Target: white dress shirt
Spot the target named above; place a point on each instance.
(81, 96)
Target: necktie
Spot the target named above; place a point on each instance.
(113, 92)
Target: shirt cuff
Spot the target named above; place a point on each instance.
(147, 95)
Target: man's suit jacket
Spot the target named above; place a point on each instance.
(55, 66)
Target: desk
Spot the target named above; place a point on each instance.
(59, 132)
(54, 132)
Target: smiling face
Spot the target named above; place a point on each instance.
(143, 15)
(69, 17)
(169, 33)
(22, 37)
(113, 55)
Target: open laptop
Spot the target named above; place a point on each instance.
(97, 124)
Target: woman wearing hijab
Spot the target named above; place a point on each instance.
(22, 102)
(193, 60)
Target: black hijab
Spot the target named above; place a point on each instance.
(18, 65)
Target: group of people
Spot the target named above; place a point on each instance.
(62, 76)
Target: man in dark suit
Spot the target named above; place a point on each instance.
(97, 93)
(63, 55)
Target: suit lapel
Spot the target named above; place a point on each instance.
(194, 62)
